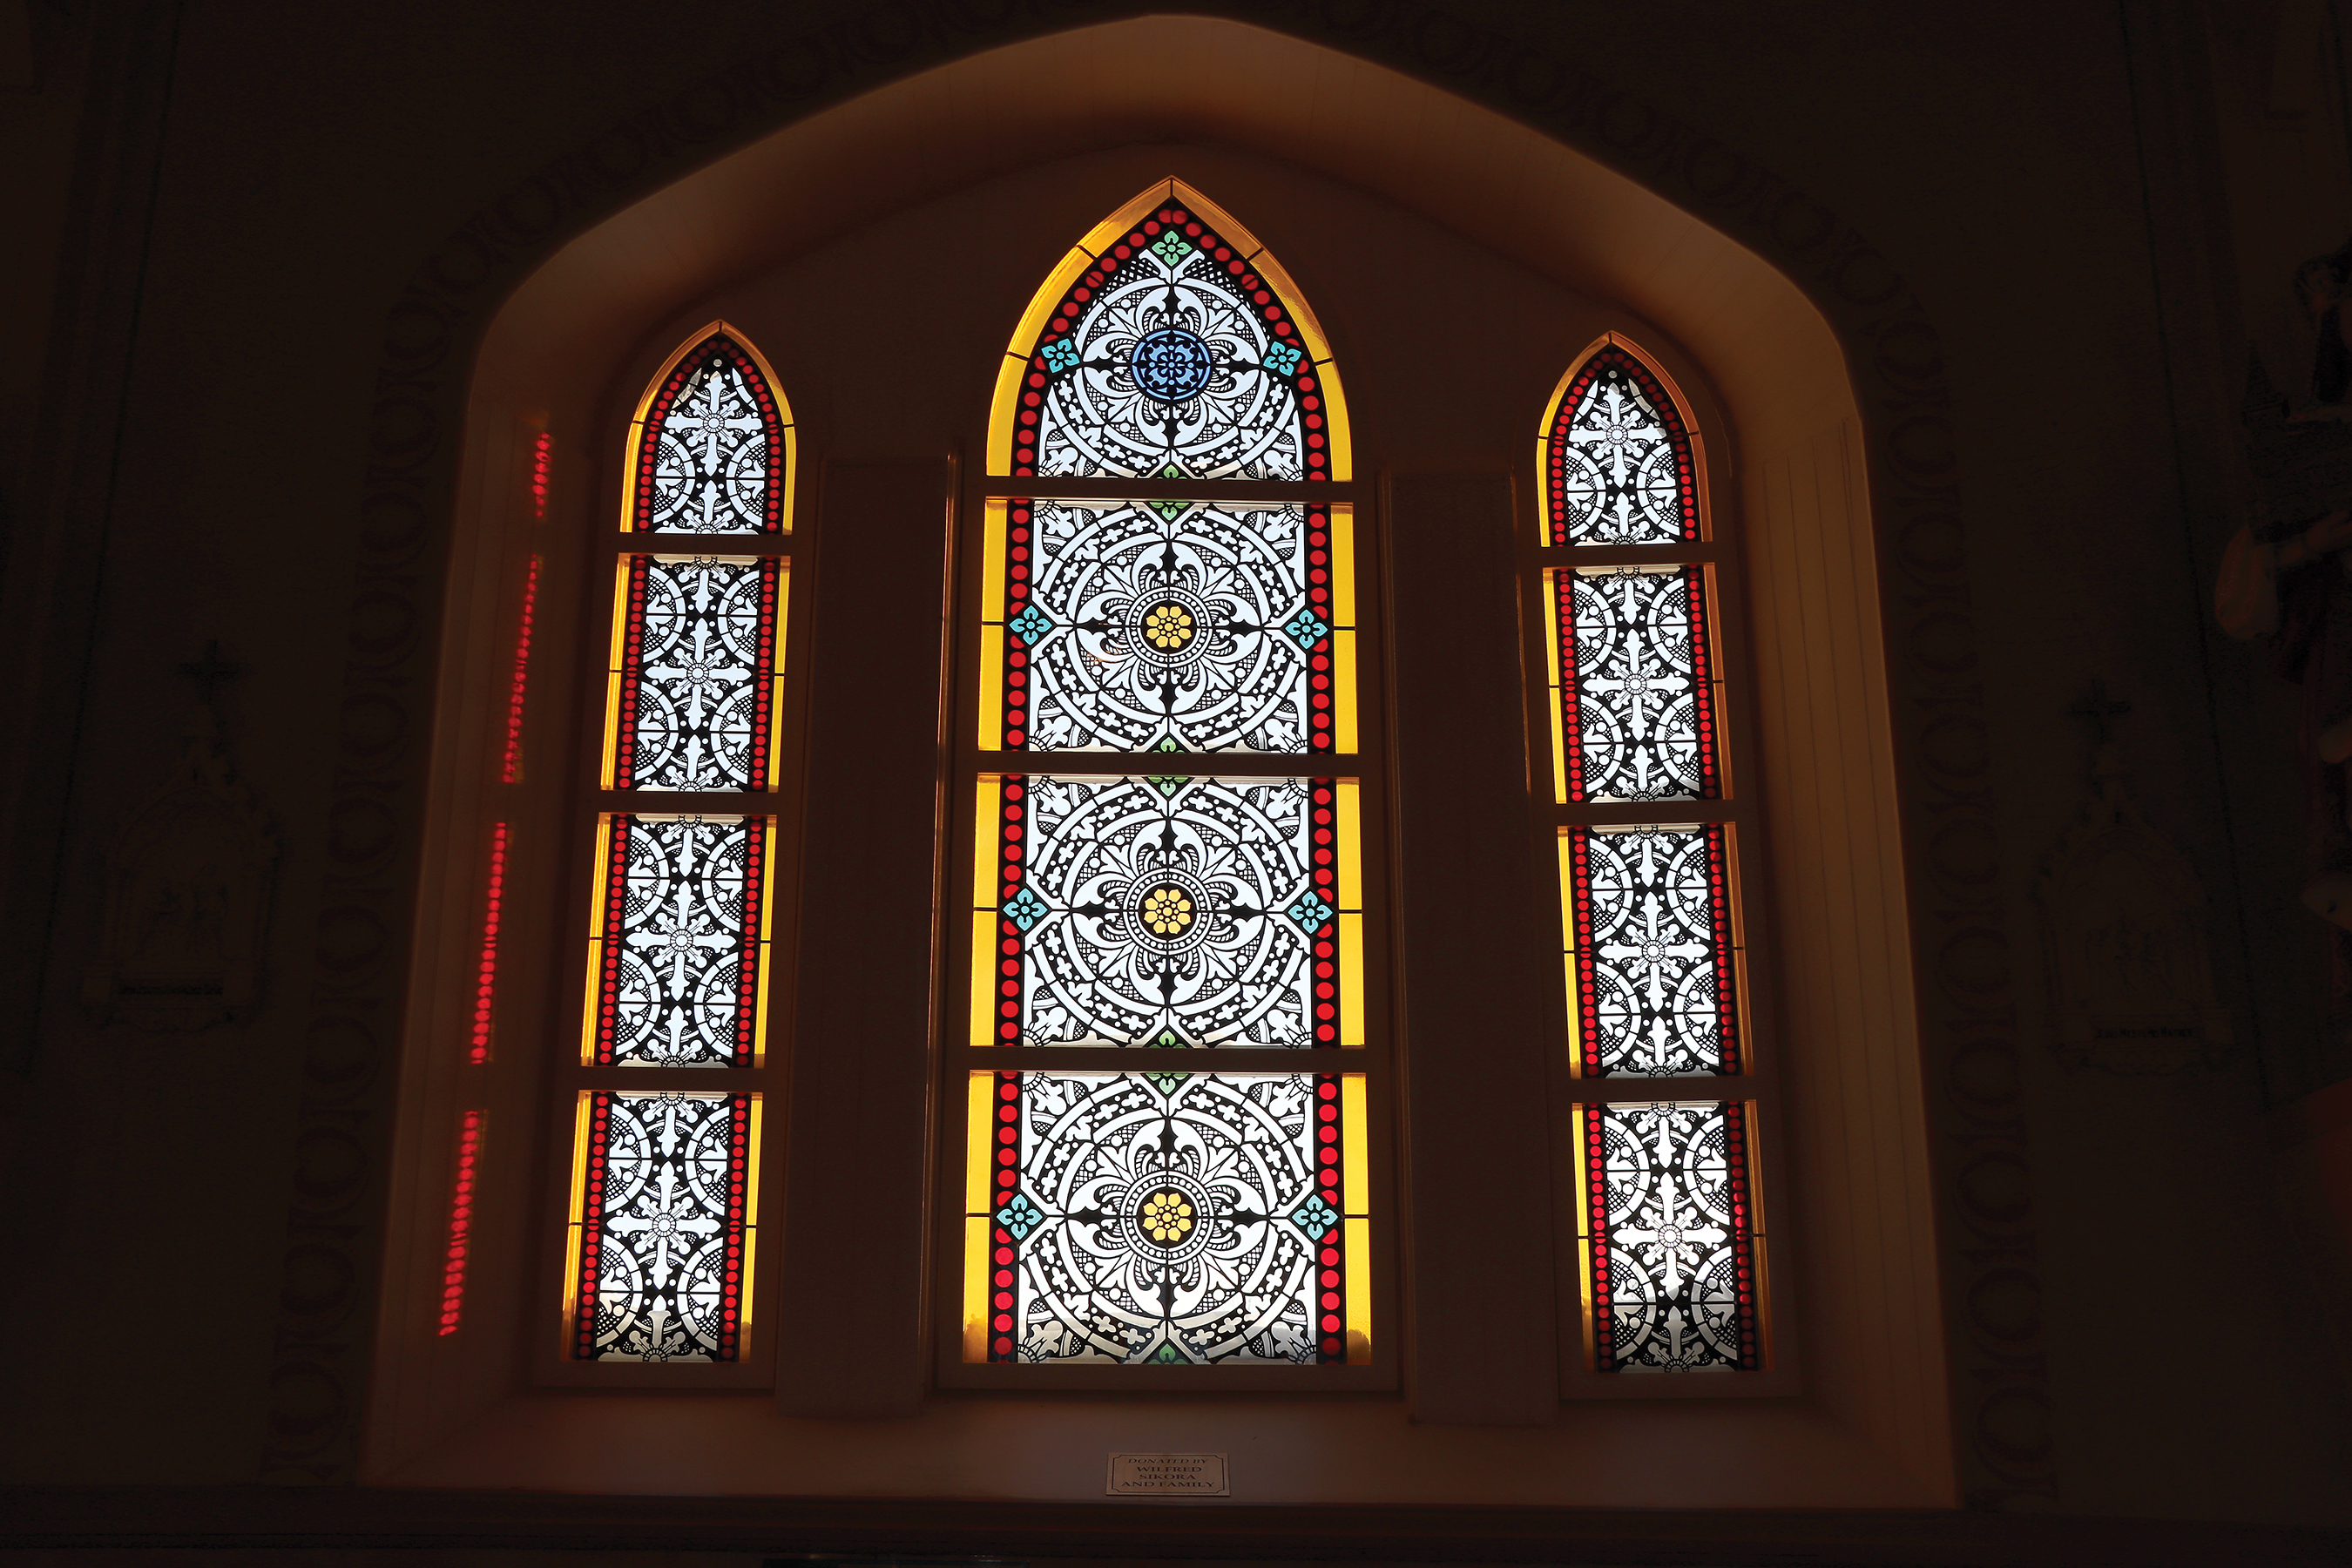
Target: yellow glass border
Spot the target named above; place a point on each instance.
(776, 672)
(1352, 1030)
(1356, 1204)
(1568, 953)
(750, 1230)
(1585, 1125)
(1343, 563)
(764, 939)
(791, 467)
(996, 519)
(575, 1226)
(980, 1106)
(988, 801)
(992, 686)
(595, 939)
(1351, 849)
(1340, 438)
(608, 761)
(1558, 675)
(1347, 739)
(1360, 1291)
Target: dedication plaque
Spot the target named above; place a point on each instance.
(1167, 1474)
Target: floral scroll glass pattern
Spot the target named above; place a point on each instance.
(1168, 1218)
(1634, 674)
(1648, 916)
(678, 969)
(1617, 459)
(712, 447)
(1668, 1237)
(1169, 911)
(1170, 356)
(662, 1229)
(1170, 625)
(693, 691)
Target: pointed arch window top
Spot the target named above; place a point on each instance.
(1617, 457)
(710, 451)
(1168, 345)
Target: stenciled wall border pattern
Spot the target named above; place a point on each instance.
(1969, 1018)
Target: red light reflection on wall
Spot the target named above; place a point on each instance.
(512, 770)
(486, 973)
(461, 1222)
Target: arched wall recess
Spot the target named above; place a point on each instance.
(1764, 370)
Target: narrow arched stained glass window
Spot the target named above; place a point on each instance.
(1617, 457)
(663, 1211)
(1167, 575)
(1650, 833)
(711, 446)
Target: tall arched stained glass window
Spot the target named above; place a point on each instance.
(1650, 836)
(1169, 779)
(665, 1173)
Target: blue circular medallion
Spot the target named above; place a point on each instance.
(1171, 364)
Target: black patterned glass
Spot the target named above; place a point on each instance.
(1670, 1231)
(1170, 1218)
(1171, 625)
(663, 1222)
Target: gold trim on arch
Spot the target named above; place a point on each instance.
(653, 389)
(1101, 237)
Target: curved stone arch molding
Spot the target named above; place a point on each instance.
(1978, 1136)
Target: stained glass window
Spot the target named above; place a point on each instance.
(693, 691)
(1171, 354)
(1669, 1238)
(1169, 911)
(1648, 916)
(664, 1182)
(1170, 625)
(1130, 891)
(1170, 1218)
(679, 962)
(663, 1219)
(1651, 935)
(1617, 458)
(712, 445)
(1635, 681)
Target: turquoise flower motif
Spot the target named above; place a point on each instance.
(1307, 627)
(1315, 1217)
(1171, 247)
(1020, 1216)
(1310, 911)
(1025, 909)
(1061, 355)
(1282, 359)
(1030, 625)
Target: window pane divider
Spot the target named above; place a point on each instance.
(1664, 553)
(1628, 1089)
(1178, 765)
(1222, 492)
(1153, 1059)
(700, 544)
(621, 1079)
(685, 802)
(1647, 812)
